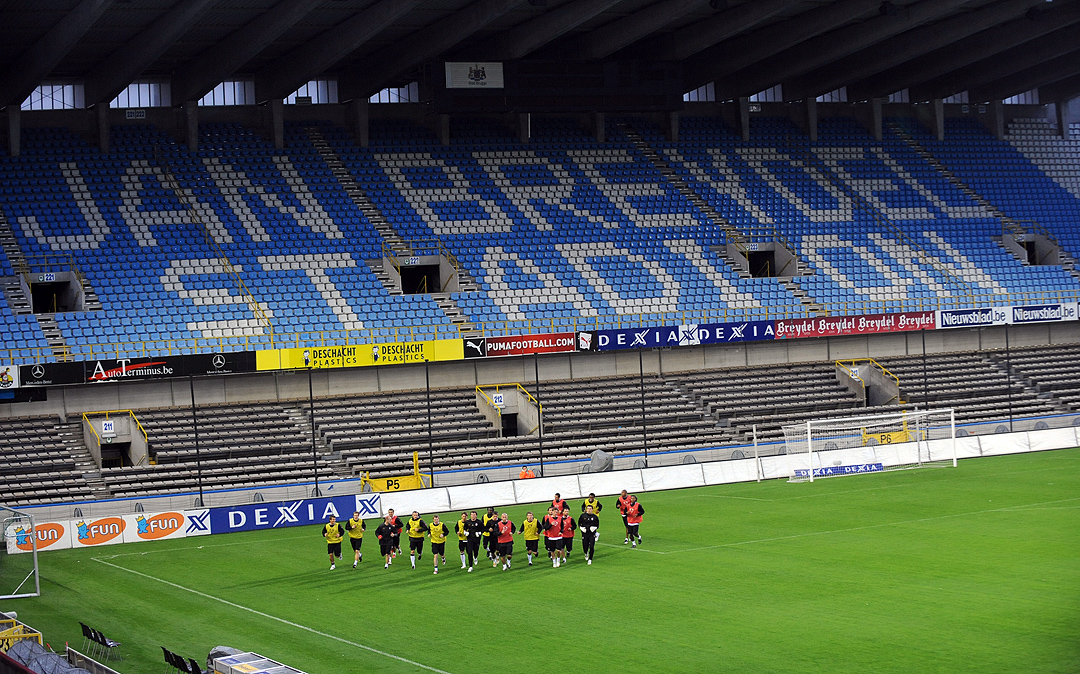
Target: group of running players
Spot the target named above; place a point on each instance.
(493, 533)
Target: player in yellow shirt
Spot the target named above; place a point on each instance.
(530, 528)
(333, 533)
(463, 538)
(356, 529)
(416, 528)
(438, 532)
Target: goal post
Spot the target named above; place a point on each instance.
(870, 444)
(18, 555)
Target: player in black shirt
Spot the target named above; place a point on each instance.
(385, 534)
(589, 525)
(474, 531)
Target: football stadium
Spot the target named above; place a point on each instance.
(630, 335)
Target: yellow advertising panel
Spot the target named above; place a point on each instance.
(360, 355)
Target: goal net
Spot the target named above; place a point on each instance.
(883, 442)
(18, 555)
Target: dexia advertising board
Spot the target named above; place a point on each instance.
(675, 335)
(92, 532)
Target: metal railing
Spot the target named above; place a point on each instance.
(193, 215)
(809, 159)
(319, 338)
(107, 413)
(848, 366)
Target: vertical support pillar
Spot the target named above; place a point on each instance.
(937, 116)
(673, 126)
(599, 127)
(811, 118)
(191, 125)
(876, 117)
(101, 111)
(1061, 109)
(524, 127)
(444, 129)
(277, 123)
(14, 130)
(997, 108)
(744, 117)
(360, 119)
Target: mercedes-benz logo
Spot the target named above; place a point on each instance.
(218, 361)
(38, 371)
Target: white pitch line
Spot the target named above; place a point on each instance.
(273, 617)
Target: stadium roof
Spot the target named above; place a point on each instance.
(934, 48)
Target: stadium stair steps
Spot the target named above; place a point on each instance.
(55, 337)
(1031, 387)
(71, 435)
(301, 417)
(688, 394)
(453, 312)
(1009, 225)
(16, 298)
(393, 240)
(733, 233)
(384, 277)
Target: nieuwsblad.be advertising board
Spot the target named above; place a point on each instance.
(93, 532)
(1014, 315)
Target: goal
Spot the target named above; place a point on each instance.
(871, 444)
(18, 569)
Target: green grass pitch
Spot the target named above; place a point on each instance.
(975, 569)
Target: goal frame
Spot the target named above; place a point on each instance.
(854, 422)
(9, 518)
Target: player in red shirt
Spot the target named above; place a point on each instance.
(634, 513)
(568, 527)
(623, 503)
(552, 526)
(506, 540)
(558, 503)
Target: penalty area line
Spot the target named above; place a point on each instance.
(273, 617)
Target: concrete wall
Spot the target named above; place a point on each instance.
(293, 386)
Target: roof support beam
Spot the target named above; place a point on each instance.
(905, 47)
(741, 52)
(837, 44)
(697, 37)
(967, 51)
(204, 72)
(523, 40)
(1010, 61)
(371, 75)
(1061, 91)
(23, 74)
(1065, 65)
(607, 40)
(112, 75)
(288, 73)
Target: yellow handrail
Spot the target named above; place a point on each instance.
(529, 396)
(173, 184)
(881, 368)
(86, 417)
(163, 347)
